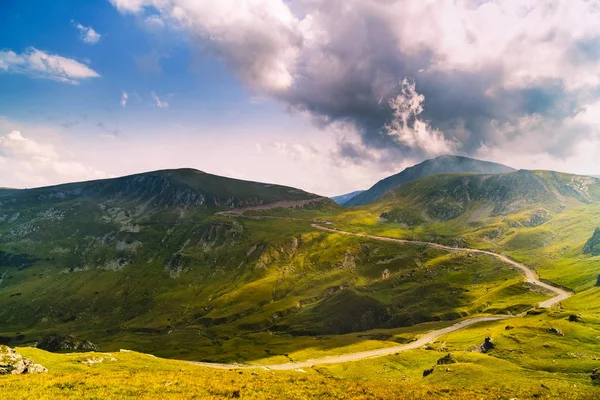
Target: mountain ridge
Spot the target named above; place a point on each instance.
(344, 198)
(442, 164)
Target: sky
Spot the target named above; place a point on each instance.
(325, 95)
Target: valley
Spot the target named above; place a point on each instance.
(243, 276)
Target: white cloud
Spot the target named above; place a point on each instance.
(14, 145)
(29, 162)
(480, 64)
(128, 5)
(258, 39)
(409, 130)
(87, 34)
(124, 97)
(159, 103)
(38, 64)
(154, 22)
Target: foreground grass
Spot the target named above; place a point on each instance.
(135, 375)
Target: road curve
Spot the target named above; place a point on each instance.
(530, 276)
(422, 341)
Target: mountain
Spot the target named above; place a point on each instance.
(342, 199)
(447, 196)
(542, 218)
(163, 262)
(181, 188)
(439, 165)
(592, 246)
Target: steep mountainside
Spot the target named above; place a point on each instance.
(344, 198)
(592, 246)
(542, 218)
(182, 188)
(439, 165)
(151, 262)
(448, 196)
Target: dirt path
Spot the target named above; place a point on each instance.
(530, 276)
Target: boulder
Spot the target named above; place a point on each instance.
(487, 345)
(385, 274)
(555, 331)
(575, 318)
(57, 343)
(595, 376)
(592, 246)
(447, 359)
(12, 362)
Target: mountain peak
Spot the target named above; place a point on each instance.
(438, 165)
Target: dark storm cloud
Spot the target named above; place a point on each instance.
(490, 72)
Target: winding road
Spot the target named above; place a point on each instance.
(530, 277)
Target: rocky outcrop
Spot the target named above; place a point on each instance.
(487, 345)
(555, 331)
(592, 246)
(447, 359)
(595, 376)
(537, 218)
(385, 274)
(575, 318)
(12, 362)
(57, 343)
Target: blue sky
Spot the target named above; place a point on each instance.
(298, 92)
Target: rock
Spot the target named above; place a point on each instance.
(575, 318)
(447, 359)
(427, 372)
(12, 362)
(537, 218)
(595, 376)
(385, 274)
(592, 246)
(509, 327)
(555, 331)
(487, 345)
(58, 342)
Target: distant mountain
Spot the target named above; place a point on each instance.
(178, 188)
(439, 165)
(342, 199)
(448, 196)
(122, 256)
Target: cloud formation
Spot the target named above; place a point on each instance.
(38, 64)
(159, 103)
(487, 74)
(87, 34)
(124, 97)
(34, 163)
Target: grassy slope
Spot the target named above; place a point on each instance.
(217, 309)
(144, 263)
(129, 374)
(541, 218)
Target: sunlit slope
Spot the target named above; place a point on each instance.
(439, 165)
(149, 262)
(543, 218)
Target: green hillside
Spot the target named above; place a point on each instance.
(186, 265)
(439, 165)
(542, 218)
(150, 262)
